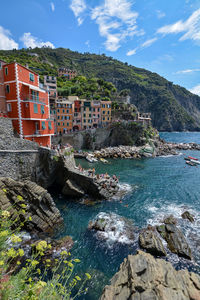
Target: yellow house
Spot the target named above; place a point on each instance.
(86, 114)
(105, 112)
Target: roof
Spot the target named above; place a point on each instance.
(22, 67)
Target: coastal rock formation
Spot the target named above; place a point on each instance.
(187, 215)
(113, 228)
(40, 206)
(142, 277)
(175, 239)
(149, 240)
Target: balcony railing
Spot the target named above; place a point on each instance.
(33, 98)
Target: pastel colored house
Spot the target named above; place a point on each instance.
(64, 115)
(87, 114)
(27, 104)
(3, 110)
(96, 113)
(77, 116)
(105, 112)
(69, 74)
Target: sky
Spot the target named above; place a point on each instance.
(162, 36)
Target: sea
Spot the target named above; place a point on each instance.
(155, 188)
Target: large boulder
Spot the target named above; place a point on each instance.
(187, 215)
(149, 240)
(142, 277)
(175, 240)
(40, 205)
(113, 228)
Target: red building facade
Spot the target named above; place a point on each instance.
(27, 104)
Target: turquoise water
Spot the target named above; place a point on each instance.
(155, 188)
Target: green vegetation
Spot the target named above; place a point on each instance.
(172, 107)
(26, 278)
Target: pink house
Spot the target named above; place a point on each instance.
(96, 113)
(3, 109)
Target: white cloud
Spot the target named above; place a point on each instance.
(160, 14)
(32, 42)
(148, 43)
(187, 71)
(6, 42)
(190, 28)
(196, 90)
(78, 7)
(52, 6)
(116, 21)
(131, 52)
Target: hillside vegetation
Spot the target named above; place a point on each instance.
(172, 107)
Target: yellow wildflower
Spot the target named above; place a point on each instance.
(70, 264)
(18, 263)
(23, 205)
(41, 246)
(1, 262)
(15, 239)
(34, 263)
(64, 253)
(78, 278)
(21, 252)
(11, 252)
(48, 260)
(77, 260)
(88, 275)
(20, 198)
(4, 233)
(29, 218)
(23, 211)
(42, 283)
(4, 190)
(5, 214)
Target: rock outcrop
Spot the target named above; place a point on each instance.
(39, 204)
(187, 215)
(113, 228)
(175, 239)
(150, 241)
(142, 277)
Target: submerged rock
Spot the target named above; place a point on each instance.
(150, 241)
(142, 277)
(113, 228)
(175, 239)
(40, 205)
(187, 215)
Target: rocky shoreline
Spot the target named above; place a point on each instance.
(158, 148)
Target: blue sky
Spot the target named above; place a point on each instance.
(162, 36)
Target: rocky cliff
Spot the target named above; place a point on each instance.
(38, 204)
(121, 133)
(142, 277)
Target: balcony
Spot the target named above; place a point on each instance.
(33, 98)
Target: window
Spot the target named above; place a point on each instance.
(63, 124)
(103, 112)
(68, 118)
(42, 109)
(43, 125)
(104, 118)
(6, 71)
(7, 88)
(9, 107)
(31, 77)
(35, 108)
(108, 118)
(67, 124)
(108, 112)
(37, 96)
(50, 125)
(58, 110)
(0, 66)
(89, 115)
(58, 123)
(108, 105)
(84, 121)
(63, 111)
(84, 115)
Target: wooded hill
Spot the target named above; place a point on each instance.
(173, 107)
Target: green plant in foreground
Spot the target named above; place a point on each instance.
(22, 278)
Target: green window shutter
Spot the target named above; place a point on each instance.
(35, 108)
(42, 109)
(43, 125)
(50, 125)
(31, 77)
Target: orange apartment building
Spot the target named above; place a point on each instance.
(64, 110)
(106, 112)
(3, 110)
(96, 113)
(27, 104)
(69, 74)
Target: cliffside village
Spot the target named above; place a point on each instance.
(38, 113)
